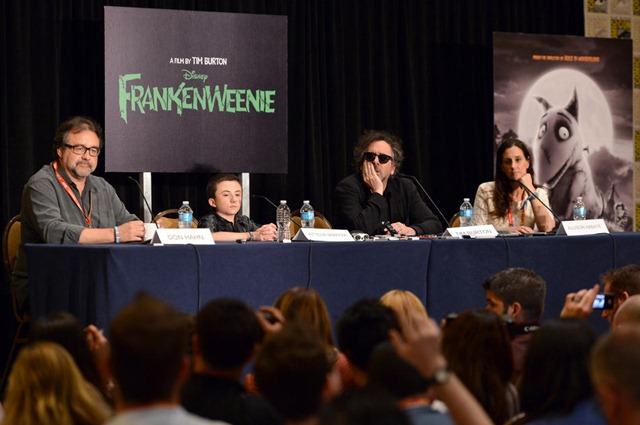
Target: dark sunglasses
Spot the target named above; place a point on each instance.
(370, 156)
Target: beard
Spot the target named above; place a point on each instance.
(82, 169)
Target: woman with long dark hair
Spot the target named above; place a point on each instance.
(555, 387)
(477, 347)
(506, 202)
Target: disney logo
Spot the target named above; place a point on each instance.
(192, 75)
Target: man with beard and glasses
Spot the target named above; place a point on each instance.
(64, 203)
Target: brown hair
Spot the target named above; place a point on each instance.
(624, 279)
(477, 347)
(305, 305)
(75, 125)
(212, 184)
(502, 183)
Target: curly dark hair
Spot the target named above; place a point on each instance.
(503, 184)
(371, 136)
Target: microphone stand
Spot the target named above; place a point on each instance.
(533, 194)
(143, 198)
(417, 183)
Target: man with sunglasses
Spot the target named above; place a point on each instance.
(64, 203)
(373, 196)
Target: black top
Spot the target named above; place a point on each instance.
(360, 209)
(226, 400)
(215, 223)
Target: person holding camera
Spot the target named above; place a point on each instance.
(620, 284)
(518, 293)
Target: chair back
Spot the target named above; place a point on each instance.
(171, 222)
(10, 245)
(455, 220)
(320, 222)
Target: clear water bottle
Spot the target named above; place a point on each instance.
(466, 213)
(185, 216)
(307, 215)
(283, 217)
(579, 210)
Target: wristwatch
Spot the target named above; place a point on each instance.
(441, 376)
(117, 233)
(251, 236)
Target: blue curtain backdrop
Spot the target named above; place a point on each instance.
(420, 68)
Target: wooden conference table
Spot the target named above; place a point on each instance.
(94, 281)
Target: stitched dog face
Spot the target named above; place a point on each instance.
(558, 143)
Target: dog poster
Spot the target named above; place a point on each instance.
(570, 100)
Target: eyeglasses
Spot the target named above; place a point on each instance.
(370, 156)
(80, 150)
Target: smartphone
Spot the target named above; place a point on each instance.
(390, 228)
(603, 302)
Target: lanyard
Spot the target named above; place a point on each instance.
(511, 217)
(63, 182)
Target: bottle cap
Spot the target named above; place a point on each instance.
(185, 202)
(466, 199)
(306, 202)
(283, 201)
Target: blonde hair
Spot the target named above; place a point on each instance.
(403, 303)
(46, 387)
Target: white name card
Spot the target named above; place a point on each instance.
(484, 231)
(149, 231)
(323, 235)
(582, 227)
(183, 237)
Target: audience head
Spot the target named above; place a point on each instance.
(628, 313)
(294, 372)
(148, 351)
(75, 125)
(479, 337)
(46, 387)
(227, 332)
(370, 136)
(622, 283)
(556, 372)
(403, 303)
(517, 292)
(363, 407)
(392, 374)
(615, 372)
(65, 329)
(361, 327)
(305, 305)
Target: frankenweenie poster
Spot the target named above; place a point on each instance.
(570, 100)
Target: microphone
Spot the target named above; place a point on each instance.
(275, 206)
(533, 195)
(529, 199)
(143, 198)
(415, 180)
(266, 199)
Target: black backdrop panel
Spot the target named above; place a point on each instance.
(190, 91)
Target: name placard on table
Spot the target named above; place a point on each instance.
(484, 231)
(582, 227)
(323, 235)
(182, 237)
